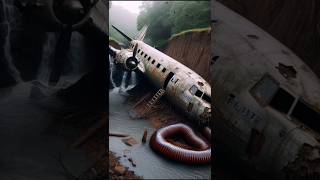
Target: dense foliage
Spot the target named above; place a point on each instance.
(166, 18)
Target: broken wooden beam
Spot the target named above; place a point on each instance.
(118, 135)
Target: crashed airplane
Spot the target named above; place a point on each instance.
(182, 86)
(266, 101)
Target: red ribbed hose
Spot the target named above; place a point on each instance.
(201, 154)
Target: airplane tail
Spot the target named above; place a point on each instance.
(142, 33)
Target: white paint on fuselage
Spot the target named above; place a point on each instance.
(157, 66)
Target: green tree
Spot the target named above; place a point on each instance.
(154, 14)
(166, 18)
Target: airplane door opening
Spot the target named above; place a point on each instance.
(165, 84)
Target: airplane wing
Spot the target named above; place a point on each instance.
(123, 34)
(140, 36)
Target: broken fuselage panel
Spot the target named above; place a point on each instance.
(267, 101)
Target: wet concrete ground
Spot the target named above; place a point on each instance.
(32, 139)
(149, 165)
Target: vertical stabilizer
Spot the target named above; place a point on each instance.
(142, 33)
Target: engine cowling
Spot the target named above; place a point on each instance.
(131, 63)
(126, 58)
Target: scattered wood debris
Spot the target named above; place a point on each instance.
(144, 137)
(118, 135)
(119, 169)
(130, 141)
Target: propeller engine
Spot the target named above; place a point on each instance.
(125, 57)
(64, 17)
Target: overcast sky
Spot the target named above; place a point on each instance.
(132, 6)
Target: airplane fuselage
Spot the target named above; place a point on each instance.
(183, 87)
(266, 101)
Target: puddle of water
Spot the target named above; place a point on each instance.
(29, 143)
(149, 164)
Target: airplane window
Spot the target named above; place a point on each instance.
(267, 92)
(158, 65)
(153, 61)
(145, 55)
(164, 70)
(206, 97)
(138, 50)
(149, 58)
(264, 90)
(282, 101)
(193, 89)
(141, 53)
(307, 115)
(199, 93)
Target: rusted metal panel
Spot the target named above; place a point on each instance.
(249, 127)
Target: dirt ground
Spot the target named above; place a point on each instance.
(92, 138)
(114, 174)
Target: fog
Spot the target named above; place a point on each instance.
(124, 20)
